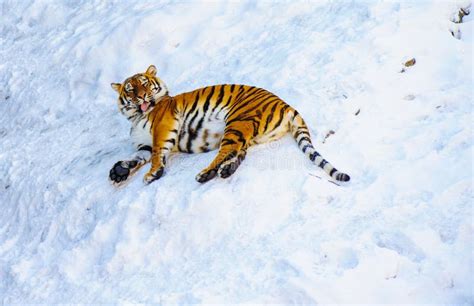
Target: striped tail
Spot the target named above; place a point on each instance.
(300, 132)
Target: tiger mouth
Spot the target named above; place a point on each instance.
(146, 106)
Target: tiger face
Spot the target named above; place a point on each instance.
(139, 94)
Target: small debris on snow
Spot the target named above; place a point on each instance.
(331, 132)
(460, 15)
(410, 63)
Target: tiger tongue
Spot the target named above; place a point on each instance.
(144, 106)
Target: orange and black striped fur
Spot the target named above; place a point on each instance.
(228, 117)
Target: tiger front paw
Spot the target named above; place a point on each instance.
(206, 175)
(153, 176)
(120, 172)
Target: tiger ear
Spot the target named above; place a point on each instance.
(151, 70)
(116, 86)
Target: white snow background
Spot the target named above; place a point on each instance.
(400, 232)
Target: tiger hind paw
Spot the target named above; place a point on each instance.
(206, 175)
(228, 167)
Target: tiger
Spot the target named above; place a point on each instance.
(227, 117)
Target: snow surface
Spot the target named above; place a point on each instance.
(400, 232)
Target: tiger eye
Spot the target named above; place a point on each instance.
(128, 87)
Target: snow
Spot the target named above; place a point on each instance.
(276, 231)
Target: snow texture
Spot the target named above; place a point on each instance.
(276, 231)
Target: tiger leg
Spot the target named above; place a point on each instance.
(231, 153)
(164, 140)
(300, 133)
(122, 170)
(158, 161)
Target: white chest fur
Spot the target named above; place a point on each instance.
(140, 132)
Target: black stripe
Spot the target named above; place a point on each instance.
(146, 122)
(296, 133)
(248, 99)
(270, 117)
(306, 147)
(186, 126)
(193, 108)
(313, 156)
(255, 123)
(238, 133)
(243, 102)
(171, 140)
(303, 139)
(332, 171)
(282, 115)
(295, 114)
(248, 93)
(219, 99)
(205, 108)
(241, 91)
(299, 132)
(193, 133)
(247, 111)
(267, 102)
(323, 163)
(229, 100)
(302, 127)
(227, 141)
(254, 92)
(256, 96)
(236, 101)
(241, 105)
(234, 108)
(144, 148)
(250, 118)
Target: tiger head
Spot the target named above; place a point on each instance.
(139, 93)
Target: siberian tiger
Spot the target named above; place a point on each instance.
(228, 117)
